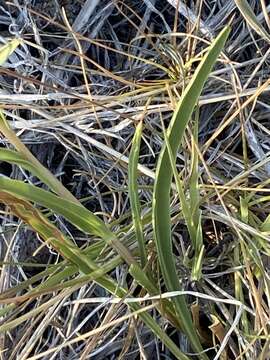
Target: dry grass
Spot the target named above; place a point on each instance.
(73, 92)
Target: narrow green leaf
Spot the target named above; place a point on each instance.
(133, 192)
(197, 260)
(7, 50)
(196, 213)
(251, 19)
(14, 157)
(161, 197)
(185, 206)
(79, 216)
(194, 226)
(26, 158)
(194, 177)
(33, 217)
(244, 209)
(56, 274)
(166, 309)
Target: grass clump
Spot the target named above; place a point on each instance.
(136, 163)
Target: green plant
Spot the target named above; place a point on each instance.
(20, 197)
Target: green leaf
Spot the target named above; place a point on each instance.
(185, 206)
(56, 274)
(33, 217)
(133, 192)
(244, 209)
(251, 18)
(26, 159)
(194, 177)
(196, 213)
(197, 260)
(7, 50)
(14, 157)
(161, 197)
(79, 216)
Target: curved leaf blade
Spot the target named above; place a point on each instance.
(33, 217)
(133, 192)
(248, 14)
(7, 50)
(28, 159)
(79, 216)
(161, 196)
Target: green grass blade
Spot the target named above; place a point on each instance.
(196, 213)
(56, 274)
(161, 197)
(185, 206)
(33, 217)
(47, 231)
(133, 192)
(251, 18)
(14, 157)
(194, 177)
(55, 283)
(197, 261)
(27, 158)
(194, 227)
(71, 252)
(28, 161)
(7, 50)
(79, 216)
(166, 308)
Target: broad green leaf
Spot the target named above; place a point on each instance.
(133, 192)
(7, 50)
(251, 18)
(161, 197)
